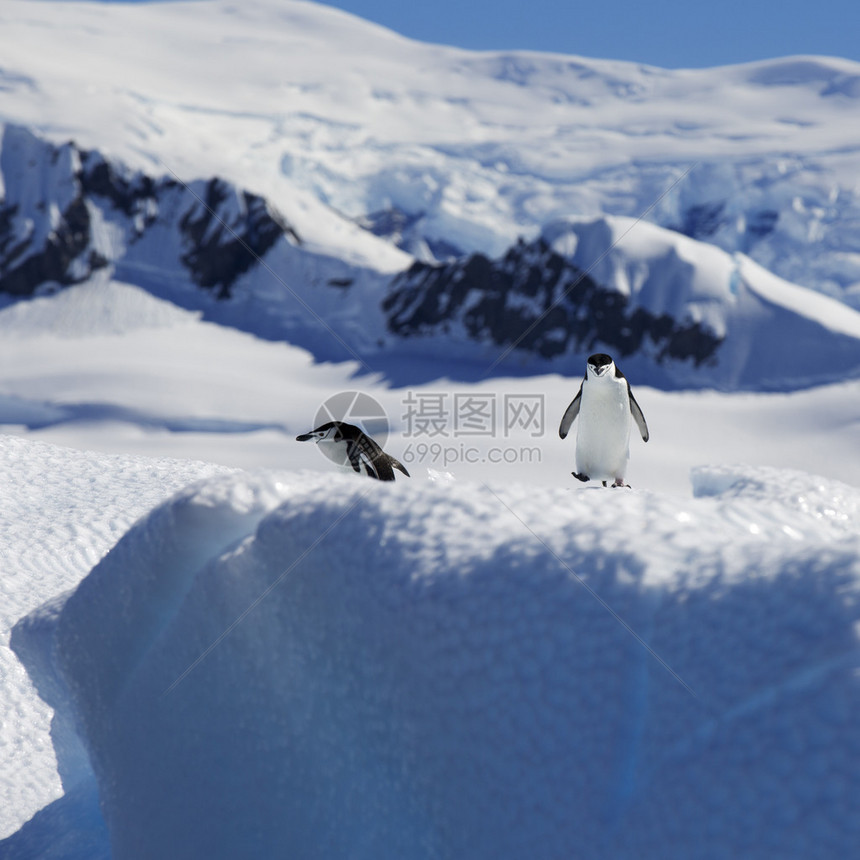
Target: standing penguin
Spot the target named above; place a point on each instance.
(347, 444)
(604, 405)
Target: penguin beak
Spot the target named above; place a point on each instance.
(305, 437)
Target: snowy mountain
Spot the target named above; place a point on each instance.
(680, 312)
(686, 313)
(68, 214)
(480, 148)
(342, 153)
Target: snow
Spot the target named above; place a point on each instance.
(438, 668)
(211, 645)
(353, 669)
(108, 367)
(771, 330)
(331, 116)
(62, 510)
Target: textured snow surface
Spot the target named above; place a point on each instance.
(463, 670)
(494, 663)
(61, 511)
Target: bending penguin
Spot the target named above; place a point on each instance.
(347, 444)
(605, 405)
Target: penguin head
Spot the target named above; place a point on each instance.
(330, 431)
(600, 364)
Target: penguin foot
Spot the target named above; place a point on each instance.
(580, 477)
(619, 483)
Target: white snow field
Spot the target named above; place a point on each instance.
(485, 658)
(332, 118)
(284, 664)
(106, 366)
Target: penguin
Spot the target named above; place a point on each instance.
(604, 404)
(346, 443)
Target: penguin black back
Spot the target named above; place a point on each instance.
(355, 447)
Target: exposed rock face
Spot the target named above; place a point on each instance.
(22, 273)
(220, 250)
(536, 300)
(45, 223)
(67, 213)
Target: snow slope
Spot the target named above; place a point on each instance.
(678, 311)
(463, 670)
(106, 366)
(62, 511)
(769, 329)
(330, 116)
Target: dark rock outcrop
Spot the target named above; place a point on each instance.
(223, 246)
(54, 194)
(533, 299)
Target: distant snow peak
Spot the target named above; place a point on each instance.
(827, 77)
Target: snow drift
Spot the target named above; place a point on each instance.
(330, 668)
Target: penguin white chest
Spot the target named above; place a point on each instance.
(603, 437)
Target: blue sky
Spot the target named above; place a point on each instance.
(669, 33)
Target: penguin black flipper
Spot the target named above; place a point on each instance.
(366, 456)
(570, 414)
(385, 465)
(638, 417)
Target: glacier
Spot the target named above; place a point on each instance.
(334, 120)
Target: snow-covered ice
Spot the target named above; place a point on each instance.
(435, 670)
(213, 646)
(332, 667)
(61, 511)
